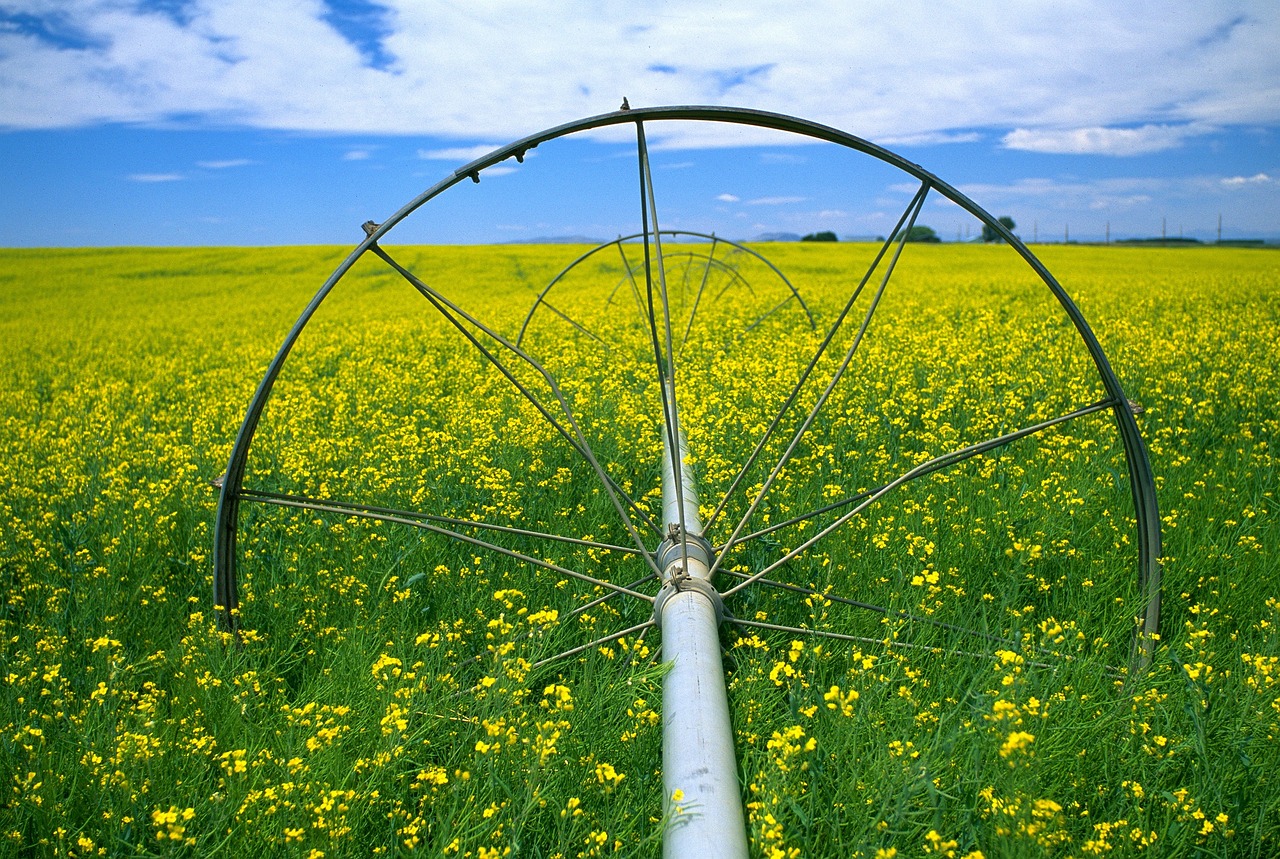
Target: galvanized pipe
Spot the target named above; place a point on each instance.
(703, 795)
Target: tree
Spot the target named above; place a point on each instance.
(989, 233)
(919, 233)
(824, 236)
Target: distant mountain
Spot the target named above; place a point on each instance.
(777, 237)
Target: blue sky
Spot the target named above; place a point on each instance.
(229, 122)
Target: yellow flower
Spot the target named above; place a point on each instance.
(608, 776)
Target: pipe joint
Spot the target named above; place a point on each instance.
(681, 584)
(673, 550)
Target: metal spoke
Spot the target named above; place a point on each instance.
(697, 299)
(464, 538)
(928, 467)
(599, 641)
(574, 612)
(448, 309)
(887, 612)
(666, 374)
(637, 644)
(803, 517)
(859, 639)
(819, 352)
(754, 325)
(912, 212)
(631, 279)
(329, 505)
(604, 598)
(573, 322)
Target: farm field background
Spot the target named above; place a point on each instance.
(385, 698)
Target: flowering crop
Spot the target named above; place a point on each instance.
(388, 695)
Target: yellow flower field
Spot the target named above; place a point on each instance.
(387, 692)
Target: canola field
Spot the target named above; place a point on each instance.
(396, 691)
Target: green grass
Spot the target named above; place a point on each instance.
(348, 722)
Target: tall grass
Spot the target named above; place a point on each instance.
(385, 700)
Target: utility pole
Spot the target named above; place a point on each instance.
(1219, 228)
(1035, 232)
(1108, 241)
(1163, 236)
(1066, 233)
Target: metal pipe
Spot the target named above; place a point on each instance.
(703, 795)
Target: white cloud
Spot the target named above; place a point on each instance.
(775, 201)
(356, 155)
(224, 165)
(1114, 195)
(727, 198)
(461, 154)
(1244, 181)
(930, 138)
(1128, 80)
(1097, 140)
(156, 177)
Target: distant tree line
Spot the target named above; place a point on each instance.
(918, 233)
(989, 233)
(921, 233)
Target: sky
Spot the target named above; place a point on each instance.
(230, 122)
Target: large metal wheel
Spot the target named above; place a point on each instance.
(676, 485)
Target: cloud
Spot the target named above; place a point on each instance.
(931, 138)
(462, 154)
(1097, 140)
(727, 198)
(356, 155)
(1116, 194)
(156, 177)
(224, 165)
(1244, 181)
(781, 158)
(775, 201)
(1129, 80)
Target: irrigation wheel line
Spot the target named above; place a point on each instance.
(687, 607)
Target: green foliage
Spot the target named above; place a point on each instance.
(920, 233)
(385, 700)
(989, 233)
(823, 236)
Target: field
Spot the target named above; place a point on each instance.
(387, 692)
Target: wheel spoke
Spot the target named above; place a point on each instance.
(639, 627)
(574, 323)
(452, 312)
(330, 505)
(888, 612)
(697, 299)
(927, 467)
(631, 279)
(666, 369)
(750, 462)
(754, 325)
(910, 215)
(574, 612)
(885, 642)
(463, 538)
